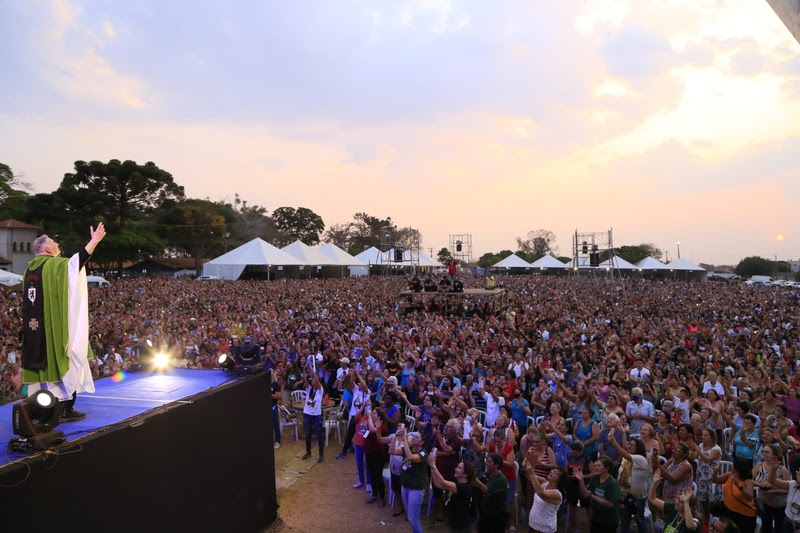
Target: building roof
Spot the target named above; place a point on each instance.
(16, 224)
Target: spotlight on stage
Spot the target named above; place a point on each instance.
(226, 361)
(34, 420)
(161, 361)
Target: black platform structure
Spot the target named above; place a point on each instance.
(496, 298)
(195, 463)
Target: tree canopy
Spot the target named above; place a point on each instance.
(538, 244)
(301, 224)
(755, 266)
(634, 254)
(119, 190)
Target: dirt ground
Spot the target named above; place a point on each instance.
(323, 500)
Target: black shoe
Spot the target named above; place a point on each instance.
(321, 459)
(306, 456)
(71, 415)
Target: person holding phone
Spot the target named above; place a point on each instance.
(412, 476)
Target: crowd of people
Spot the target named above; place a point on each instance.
(607, 404)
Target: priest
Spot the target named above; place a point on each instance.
(55, 329)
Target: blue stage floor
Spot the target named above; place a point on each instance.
(114, 402)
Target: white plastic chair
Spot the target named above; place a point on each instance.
(481, 417)
(299, 396)
(332, 420)
(411, 422)
(725, 466)
(287, 420)
(531, 422)
(727, 442)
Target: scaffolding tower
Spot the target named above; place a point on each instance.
(589, 247)
(399, 256)
(461, 247)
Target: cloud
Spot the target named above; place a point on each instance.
(636, 53)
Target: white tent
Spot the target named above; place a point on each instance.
(648, 263)
(371, 256)
(548, 261)
(339, 256)
(618, 263)
(9, 279)
(688, 269)
(512, 261)
(685, 264)
(343, 259)
(256, 252)
(426, 261)
(308, 255)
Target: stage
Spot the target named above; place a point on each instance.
(181, 450)
(495, 297)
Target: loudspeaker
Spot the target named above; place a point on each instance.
(594, 259)
(398, 256)
(585, 248)
(458, 247)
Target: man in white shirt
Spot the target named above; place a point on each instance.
(682, 402)
(713, 383)
(639, 373)
(494, 400)
(639, 411)
(518, 365)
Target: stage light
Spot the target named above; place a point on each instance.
(161, 360)
(226, 361)
(34, 420)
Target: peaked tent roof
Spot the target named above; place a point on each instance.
(371, 256)
(256, 252)
(648, 263)
(9, 279)
(618, 263)
(548, 261)
(339, 256)
(685, 264)
(425, 260)
(308, 255)
(512, 261)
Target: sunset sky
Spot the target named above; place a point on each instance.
(668, 120)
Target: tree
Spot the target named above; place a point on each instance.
(196, 226)
(121, 190)
(407, 238)
(298, 224)
(134, 243)
(339, 234)
(634, 254)
(13, 195)
(526, 256)
(488, 259)
(539, 243)
(368, 230)
(754, 266)
(444, 255)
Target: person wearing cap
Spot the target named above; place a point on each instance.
(341, 372)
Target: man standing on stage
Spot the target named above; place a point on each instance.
(55, 322)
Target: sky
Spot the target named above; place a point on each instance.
(665, 120)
